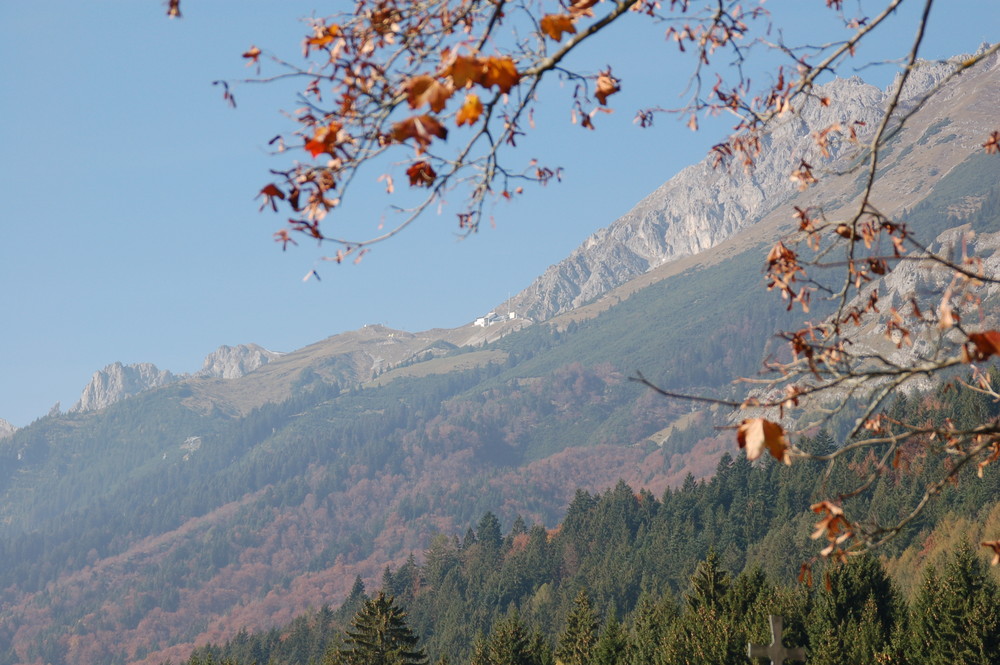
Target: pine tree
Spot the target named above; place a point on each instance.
(576, 644)
(379, 636)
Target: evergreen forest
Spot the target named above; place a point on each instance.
(689, 577)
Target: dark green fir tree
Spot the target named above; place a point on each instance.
(955, 619)
(379, 636)
(576, 643)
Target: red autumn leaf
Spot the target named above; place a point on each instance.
(270, 193)
(420, 128)
(984, 345)
(756, 434)
(555, 25)
(421, 174)
(325, 139)
(428, 90)
(470, 111)
(607, 85)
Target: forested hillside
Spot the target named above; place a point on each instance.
(690, 576)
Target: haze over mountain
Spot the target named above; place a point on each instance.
(165, 511)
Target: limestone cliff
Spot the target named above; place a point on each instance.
(702, 205)
(232, 362)
(117, 381)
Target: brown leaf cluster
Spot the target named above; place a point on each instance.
(485, 71)
(421, 128)
(834, 527)
(755, 435)
(783, 272)
(428, 90)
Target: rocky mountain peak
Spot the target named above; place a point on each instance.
(703, 205)
(6, 429)
(117, 381)
(232, 362)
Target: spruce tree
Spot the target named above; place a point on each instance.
(708, 585)
(576, 643)
(509, 643)
(955, 619)
(379, 636)
(854, 615)
(650, 622)
(612, 645)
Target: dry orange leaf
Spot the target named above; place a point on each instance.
(252, 55)
(421, 174)
(992, 144)
(428, 90)
(271, 193)
(834, 526)
(756, 434)
(555, 25)
(465, 70)
(470, 111)
(607, 85)
(501, 72)
(420, 128)
(323, 36)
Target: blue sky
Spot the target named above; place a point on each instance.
(130, 228)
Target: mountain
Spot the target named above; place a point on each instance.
(704, 205)
(6, 429)
(189, 511)
(118, 381)
(232, 362)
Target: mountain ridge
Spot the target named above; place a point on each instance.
(679, 220)
(686, 215)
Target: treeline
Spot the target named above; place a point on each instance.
(856, 616)
(686, 578)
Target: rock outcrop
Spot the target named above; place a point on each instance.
(232, 362)
(6, 429)
(703, 205)
(117, 381)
